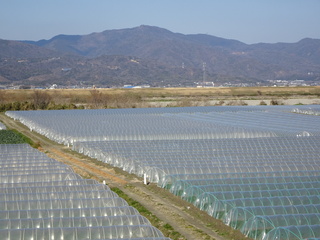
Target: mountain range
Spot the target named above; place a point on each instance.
(156, 57)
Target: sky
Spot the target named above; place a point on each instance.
(249, 21)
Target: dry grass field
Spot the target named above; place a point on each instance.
(155, 97)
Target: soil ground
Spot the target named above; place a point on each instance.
(184, 218)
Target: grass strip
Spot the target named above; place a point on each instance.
(165, 228)
(26, 139)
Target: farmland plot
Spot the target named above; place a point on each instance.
(244, 165)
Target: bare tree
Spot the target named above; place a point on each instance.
(97, 99)
(41, 99)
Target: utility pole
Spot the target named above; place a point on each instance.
(204, 73)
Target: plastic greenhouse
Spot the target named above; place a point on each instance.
(2, 126)
(294, 232)
(259, 226)
(41, 198)
(252, 167)
(238, 216)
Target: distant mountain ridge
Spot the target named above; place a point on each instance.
(16, 49)
(144, 41)
(133, 40)
(178, 58)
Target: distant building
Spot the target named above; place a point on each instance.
(54, 86)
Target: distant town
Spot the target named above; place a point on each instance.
(268, 83)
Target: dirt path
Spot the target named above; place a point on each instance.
(184, 218)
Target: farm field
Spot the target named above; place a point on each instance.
(236, 163)
(21, 99)
(174, 217)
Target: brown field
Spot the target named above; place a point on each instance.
(160, 97)
(216, 91)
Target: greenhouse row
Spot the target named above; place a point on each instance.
(71, 126)
(252, 167)
(41, 198)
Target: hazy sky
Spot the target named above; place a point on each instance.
(250, 21)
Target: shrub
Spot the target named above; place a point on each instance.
(275, 102)
(237, 103)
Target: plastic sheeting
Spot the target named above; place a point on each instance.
(183, 184)
(235, 163)
(218, 208)
(294, 232)
(2, 126)
(171, 123)
(48, 201)
(171, 181)
(75, 233)
(237, 216)
(74, 222)
(67, 213)
(58, 195)
(233, 191)
(171, 157)
(258, 226)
